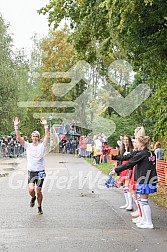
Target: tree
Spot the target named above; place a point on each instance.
(8, 86)
(125, 29)
(57, 55)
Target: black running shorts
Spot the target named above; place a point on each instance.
(33, 177)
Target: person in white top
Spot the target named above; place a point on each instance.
(35, 161)
(98, 147)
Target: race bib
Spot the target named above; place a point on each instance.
(41, 174)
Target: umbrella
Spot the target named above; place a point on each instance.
(12, 133)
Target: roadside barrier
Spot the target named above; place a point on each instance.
(161, 166)
(113, 152)
(11, 151)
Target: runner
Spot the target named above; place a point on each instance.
(35, 161)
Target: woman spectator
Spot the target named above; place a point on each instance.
(126, 149)
(139, 131)
(98, 148)
(133, 185)
(82, 146)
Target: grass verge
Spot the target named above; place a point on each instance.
(160, 197)
(103, 167)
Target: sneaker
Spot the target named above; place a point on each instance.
(140, 223)
(129, 208)
(136, 220)
(135, 214)
(32, 202)
(123, 207)
(40, 210)
(149, 226)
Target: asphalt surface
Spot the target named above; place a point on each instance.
(80, 214)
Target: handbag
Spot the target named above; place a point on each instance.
(89, 147)
(98, 152)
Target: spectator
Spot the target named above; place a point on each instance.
(72, 131)
(103, 138)
(159, 152)
(89, 146)
(126, 148)
(119, 142)
(63, 144)
(106, 151)
(70, 146)
(98, 148)
(82, 146)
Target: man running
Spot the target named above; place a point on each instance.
(35, 161)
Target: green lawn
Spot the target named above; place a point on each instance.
(104, 167)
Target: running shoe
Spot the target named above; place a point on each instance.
(40, 210)
(32, 202)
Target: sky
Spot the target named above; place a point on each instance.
(24, 21)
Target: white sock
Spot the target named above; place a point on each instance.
(129, 199)
(126, 195)
(146, 211)
(139, 204)
(135, 199)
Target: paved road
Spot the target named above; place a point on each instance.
(80, 214)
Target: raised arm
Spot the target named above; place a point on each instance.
(16, 122)
(131, 162)
(123, 157)
(46, 127)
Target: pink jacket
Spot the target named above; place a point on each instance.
(82, 143)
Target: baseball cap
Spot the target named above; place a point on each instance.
(35, 132)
